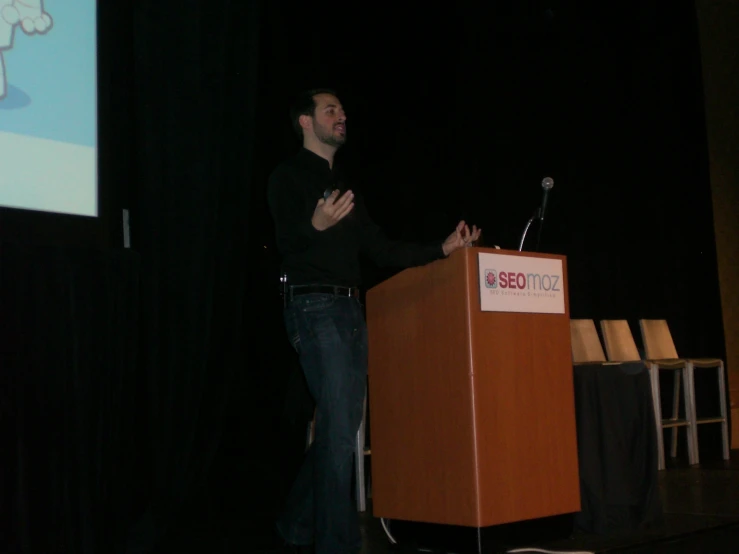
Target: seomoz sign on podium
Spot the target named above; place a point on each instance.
(471, 391)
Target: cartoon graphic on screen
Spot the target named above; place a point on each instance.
(31, 17)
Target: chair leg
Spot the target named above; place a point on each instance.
(657, 406)
(675, 411)
(309, 434)
(724, 414)
(359, 463)
(690, 414)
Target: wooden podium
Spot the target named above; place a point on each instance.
(472, 412)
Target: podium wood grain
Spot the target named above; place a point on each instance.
(472, 413)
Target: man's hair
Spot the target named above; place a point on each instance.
(305, 104)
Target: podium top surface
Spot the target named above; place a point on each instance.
(525, 253)
(463, 258)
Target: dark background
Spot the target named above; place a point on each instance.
(151, 391)
(462, 113)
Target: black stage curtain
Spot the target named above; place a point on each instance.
(194, 83)
(119, 367)
(607, 103)
(68, 390)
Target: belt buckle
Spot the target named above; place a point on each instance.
(348, 292)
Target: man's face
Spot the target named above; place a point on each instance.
(329, 121)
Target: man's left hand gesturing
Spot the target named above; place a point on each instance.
(460, 238)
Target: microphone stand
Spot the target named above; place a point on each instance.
(536, 215)
(538, 233)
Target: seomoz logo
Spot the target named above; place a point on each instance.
(521, 281)
(491, 279)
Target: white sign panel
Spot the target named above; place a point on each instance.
(521, 284)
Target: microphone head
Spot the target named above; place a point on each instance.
(547, 183)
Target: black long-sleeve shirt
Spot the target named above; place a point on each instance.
(329, 257)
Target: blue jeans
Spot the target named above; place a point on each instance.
(330, 335)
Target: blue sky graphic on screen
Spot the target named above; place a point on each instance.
(48, 105)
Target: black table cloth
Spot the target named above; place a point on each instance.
(617, 448)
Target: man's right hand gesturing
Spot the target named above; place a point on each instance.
(333, 209)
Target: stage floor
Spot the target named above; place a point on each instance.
(701, 508)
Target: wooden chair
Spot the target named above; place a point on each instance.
(586, 346)
(659, 345)
(620, 346)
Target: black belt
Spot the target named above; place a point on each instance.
(297, 290)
